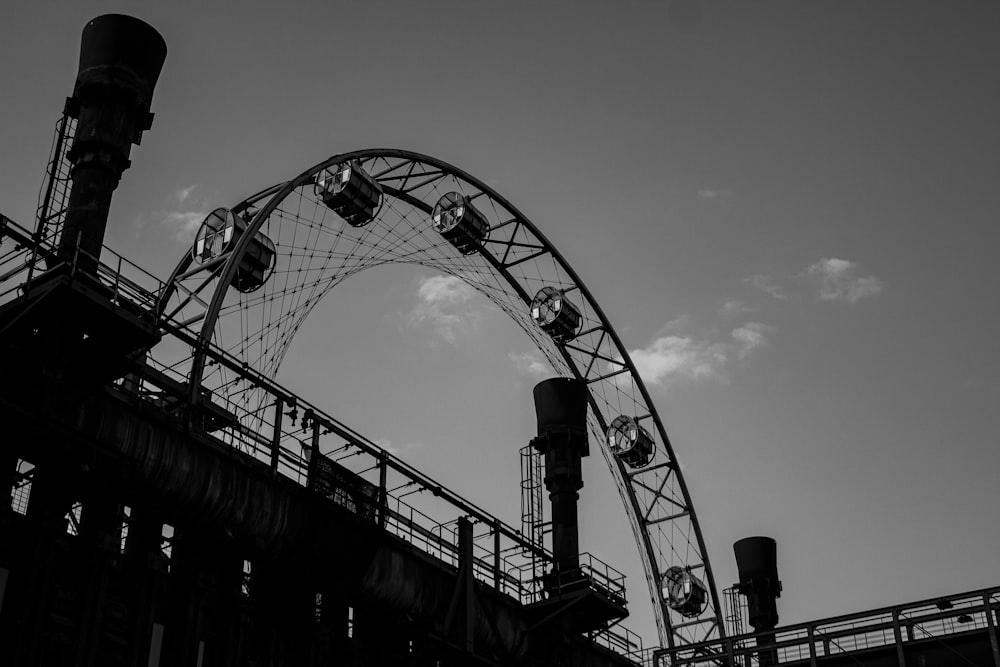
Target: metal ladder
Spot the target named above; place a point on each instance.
(533, 524)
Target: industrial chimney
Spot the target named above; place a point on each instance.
(756, 561)
(120, 61)
(561, 410)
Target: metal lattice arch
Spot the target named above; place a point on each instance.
(259, 268)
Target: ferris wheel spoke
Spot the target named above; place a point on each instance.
(292, 244)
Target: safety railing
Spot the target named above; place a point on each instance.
(597, 575)
(937, 619)
(408, 503)
(23, 259)
(624, 642)
(300, 442)
(16, 251)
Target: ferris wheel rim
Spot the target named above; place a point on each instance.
(273, 196)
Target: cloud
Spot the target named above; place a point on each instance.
(386, 444)
(835, 280)
(766, 284)
(674, 357)
(531, 364)
(733, 307)
(751, 336)
(444, 290)
(187, 211)
(184, 194)
(671, 357)
(711, 193)
(185, 224)
(838, 281)
(442, 306)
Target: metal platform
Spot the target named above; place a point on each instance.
(140, 436)
(954, 630)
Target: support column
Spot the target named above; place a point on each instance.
(146, 568)
(11, 548)
(185, 601)
(227, 619)
(97, 542)
(285, 604)
(992, 626)
(756, 561)
(120, 61)
(42, 569)
(561, 407)
(8, 476)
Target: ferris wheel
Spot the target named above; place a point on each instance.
(258, 269)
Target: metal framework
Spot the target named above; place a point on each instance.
(299, 442)
(315, 249)
(945, 630)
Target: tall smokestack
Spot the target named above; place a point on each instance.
(757, 563)
(120, 61)
(561, 409)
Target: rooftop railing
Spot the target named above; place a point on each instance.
(302, 443)
(23, 259)
(938, 618)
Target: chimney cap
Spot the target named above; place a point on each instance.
(561, 405)
(756, 559)
(120, 42)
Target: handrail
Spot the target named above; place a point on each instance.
(355, 438)
(872, 629)
(495, 566)
(35, 252)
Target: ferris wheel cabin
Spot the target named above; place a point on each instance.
(684, 592)
(459, 222)
(218, 236)
(350, 192)
(555, 314)
(630, 442)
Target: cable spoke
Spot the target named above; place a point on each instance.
(316, 250)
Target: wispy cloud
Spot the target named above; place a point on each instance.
(751, 336)
(400, 450)
(675, 356)
(733, 307)
(839, 281)
(444, 290)
(767, 285)
(672, 357)
(187, 211)
(184, 194)
(714, 193)
(185, 224)
(442, 306)
(531, 364)
(834, 279)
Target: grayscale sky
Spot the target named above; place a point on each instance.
(787, 209)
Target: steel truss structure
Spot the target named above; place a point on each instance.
(956, 629)
(303, 249)
(301, 443)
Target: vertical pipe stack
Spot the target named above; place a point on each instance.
(561, 410)
(120, 61)
(757, 563)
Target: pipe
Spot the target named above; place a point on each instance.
(561, 409)
(120, 62)
(756, 561)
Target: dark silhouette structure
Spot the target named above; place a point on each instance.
(757, 563)
(139, 535)
(136, 537)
